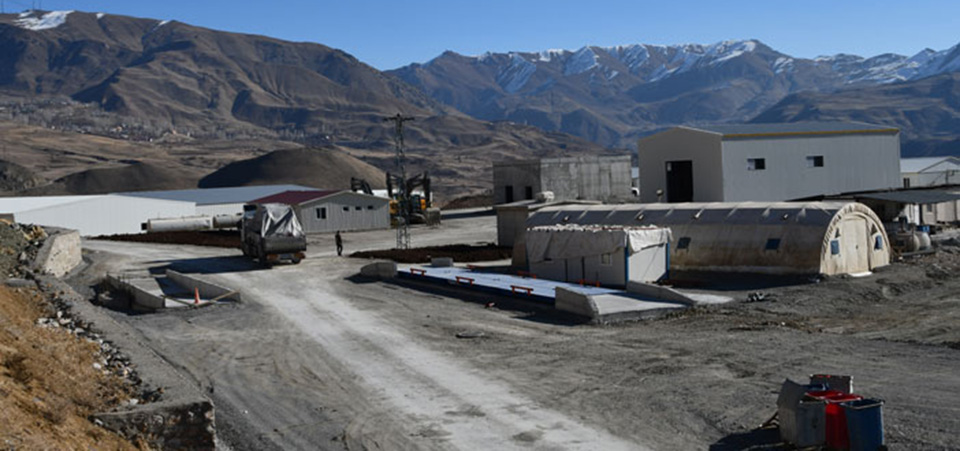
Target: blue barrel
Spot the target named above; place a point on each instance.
(865, 424)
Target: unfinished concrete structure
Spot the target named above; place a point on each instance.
(332, 210)
(752, 237)
(604, 179)
(767, 162)
(604, 255)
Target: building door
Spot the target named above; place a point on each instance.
(509, 197)
(854, 246)
(680, 181)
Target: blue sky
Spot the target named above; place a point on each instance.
(389, 34)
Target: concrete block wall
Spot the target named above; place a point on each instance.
(208, 290)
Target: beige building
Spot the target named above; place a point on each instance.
(750, 237)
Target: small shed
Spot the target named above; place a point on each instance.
(606, 255)
(752, 237)
(322, 211)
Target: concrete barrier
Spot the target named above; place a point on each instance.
(576, 303)
(380, 270)
(208, 290)
(142, 298)
(659, 292)
(60, 253)
(441, 262)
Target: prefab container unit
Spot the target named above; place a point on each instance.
(752, 237)
(609, 256)
(329, 211)
(92, 215)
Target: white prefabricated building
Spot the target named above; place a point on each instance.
(751, 237)
(767, 162)
(333, 210)
(605, 255)
(92, 215)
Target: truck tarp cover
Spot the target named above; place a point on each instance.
(279, 220)
(568, 241)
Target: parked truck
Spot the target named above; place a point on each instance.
(271, 233)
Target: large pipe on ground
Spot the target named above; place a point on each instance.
(191, 223)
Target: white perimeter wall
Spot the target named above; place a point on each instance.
(106, 215)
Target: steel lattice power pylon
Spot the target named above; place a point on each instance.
(403, 198)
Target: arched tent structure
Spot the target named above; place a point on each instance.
(757, 237)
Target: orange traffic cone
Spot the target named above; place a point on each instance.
(196, 295)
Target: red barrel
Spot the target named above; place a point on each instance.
(836, 424)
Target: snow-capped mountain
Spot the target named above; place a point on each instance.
(611, 94)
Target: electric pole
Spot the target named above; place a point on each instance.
(403, 198)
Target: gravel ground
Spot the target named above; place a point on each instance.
(318, 358)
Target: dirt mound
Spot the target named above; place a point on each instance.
(470, 201)
(322, 168)
(222, 238)
(137, 176)
(461, 253)
(14, 177)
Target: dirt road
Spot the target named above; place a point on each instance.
(315, 358)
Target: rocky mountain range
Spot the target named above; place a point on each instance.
(612, 95)
(164, 81)
(81, 92)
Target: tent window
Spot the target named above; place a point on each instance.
(772, 244)
(683, 243)
(605, 259)
(873, 229)
(756, 164)
(322, 213)
(878, 243)
(815, 161)
(837, 235)
(834, 247)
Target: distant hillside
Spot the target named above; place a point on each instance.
(926, 110)
(179, 85)
(320, 168)
(133, 177)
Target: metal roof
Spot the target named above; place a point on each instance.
(911, 165)
(294, 197)
(921, 197)
(212, 196)
(792, 129)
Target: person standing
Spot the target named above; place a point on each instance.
(339, 242)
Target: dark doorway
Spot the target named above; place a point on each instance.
(680, 181)
(528, 193)
(509, 194)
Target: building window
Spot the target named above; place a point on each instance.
(369, 207)
(929, 208)
(756, 164)
(683, 243)
(322, 213)
(358, 208)
(815, 161)
(906, 182)
(346, 208)
(772, 244)
(605, 259)
(528, 192)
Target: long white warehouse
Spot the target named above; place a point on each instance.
(108, 214)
